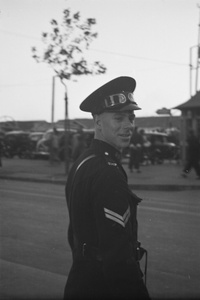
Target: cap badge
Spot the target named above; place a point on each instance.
(122, 98)
(115, 99)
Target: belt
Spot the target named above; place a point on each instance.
(88, 252)
(92, 252)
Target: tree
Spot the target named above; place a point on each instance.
(64, 50)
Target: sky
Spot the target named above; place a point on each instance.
(149, 40)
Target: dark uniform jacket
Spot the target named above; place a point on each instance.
(103, 228)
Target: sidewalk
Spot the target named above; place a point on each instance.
(166, 176)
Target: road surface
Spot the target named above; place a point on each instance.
(35, 256)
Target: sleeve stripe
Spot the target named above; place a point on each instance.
(122, 220)
(127, 215)
(113, 214)
(115, 219)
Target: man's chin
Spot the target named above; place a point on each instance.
(125, 141)
(124, 144)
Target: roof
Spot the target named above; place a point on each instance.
(153, 122)
(193, 102)
(158, 122)
(72, 124)
(39, 125)
(142, 122)
(86, 123)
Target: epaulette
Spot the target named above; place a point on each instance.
(136, 198)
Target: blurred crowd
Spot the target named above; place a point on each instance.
(51, 144)
(146, 146)
(152, 147)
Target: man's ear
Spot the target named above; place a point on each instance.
(97, 121)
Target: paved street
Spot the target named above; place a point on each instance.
(165, 176)
(35, 256)
(169, 225)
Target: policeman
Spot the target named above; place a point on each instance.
(102, 209)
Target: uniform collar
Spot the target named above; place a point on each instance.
(106, 149)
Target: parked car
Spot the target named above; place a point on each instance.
(78, 142)
(34, 138)
(2, 135)
(158, 147)
(17, 143)
(43, 144)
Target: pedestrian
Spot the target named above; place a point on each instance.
(78, 144)
(2, 137)
(136, 145)
(54, 146)
(1, 151)
(146, 144)
(102, 229)
(193, 155)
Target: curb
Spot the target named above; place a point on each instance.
(149, 187)
(37, 180)
(164, 187)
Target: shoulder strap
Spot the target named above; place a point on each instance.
(75, 172)
(81, 163)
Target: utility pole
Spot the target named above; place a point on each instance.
(195, 63)
(191, 69)
(198, 51)
(67, 131)
(53, 100)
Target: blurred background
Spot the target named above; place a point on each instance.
(154, 41)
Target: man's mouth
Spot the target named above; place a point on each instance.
(126, 135)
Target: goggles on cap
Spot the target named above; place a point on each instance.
(118, 99)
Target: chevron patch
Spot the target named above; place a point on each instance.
(122, 220)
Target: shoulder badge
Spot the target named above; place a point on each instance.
(112, 163)
(109, 160)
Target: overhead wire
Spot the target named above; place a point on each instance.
(102, 51)
(91, 49)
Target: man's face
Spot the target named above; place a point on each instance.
(115, 128)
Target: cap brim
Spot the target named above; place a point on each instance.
(130, 106)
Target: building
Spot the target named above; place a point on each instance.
(154, 123)
(190, 119)
(31, 126)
